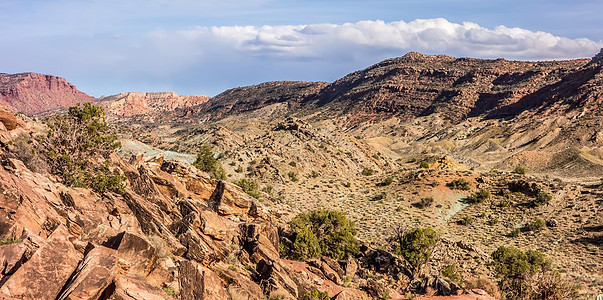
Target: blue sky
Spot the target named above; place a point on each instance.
(191, 47)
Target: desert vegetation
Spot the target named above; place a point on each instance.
(207, 162)
(76, 148)
(528, 275)
(415, 246)
(318, 233)
(460, 184)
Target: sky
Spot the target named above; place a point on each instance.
(203, 47)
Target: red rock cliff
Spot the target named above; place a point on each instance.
(33, 93)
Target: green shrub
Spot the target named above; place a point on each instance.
(542, 199)
(424, 203)
(314, 174)
(480, 196)
(316, 295)
(453, 273)
(460, 184)
(379, 196)
(504, 203)
(367, 172)
(233, 268)
(536, 225)
(347, 184)
(387, 181)
(416, 246)
(466, 220)
(169, 291)
(424, 165)
(268, 190)
(516, 270)
(515, 233)
(103, 180)
(519, 170)
(318, 233)
(293, 176)
(293, 164)
(239, 169)
(493, 221)
(207, 162)
(434, 183)
(10, 240)
(250, 187)
(77, 148)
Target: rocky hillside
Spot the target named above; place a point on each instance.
(457, 88)
(420, 85)
(486, 113)
(32, 93)
(173, 233)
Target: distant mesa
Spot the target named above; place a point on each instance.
(132, 104)
(44, 95)
(33, 93)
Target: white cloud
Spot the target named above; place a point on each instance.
(323, 41)
(208, 60)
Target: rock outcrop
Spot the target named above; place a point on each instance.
(32, 93)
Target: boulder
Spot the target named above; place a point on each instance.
(260, 239)
(333, 265)
(202, 248)
(376, 289)
(198, 282)
(152, 220)
(213, 225)
(49, 268)
(439, 286)
(239, 286)
(350, 266)
(9, 120)
(349, 294)
(132, 287)
(93, 275)
(230, 200)
(11, 257)
(326, 270)
(136, 250)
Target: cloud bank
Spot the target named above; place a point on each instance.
(208, 60)
(440, 36)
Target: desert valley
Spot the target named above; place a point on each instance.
(419, 177)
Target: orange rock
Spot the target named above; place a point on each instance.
(198, 282)
(43, 276)
(94, 274)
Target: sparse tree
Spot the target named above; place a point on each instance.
(207, 162)
(77, 148)
(320, 232)
(415, 246)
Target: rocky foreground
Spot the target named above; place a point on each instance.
(173, 233)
